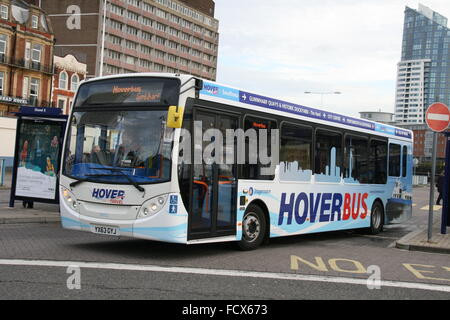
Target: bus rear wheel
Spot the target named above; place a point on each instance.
(376, 218)
(253, 228)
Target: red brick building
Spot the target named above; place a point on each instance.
(26, 56)
(69, 72)
(423, 142)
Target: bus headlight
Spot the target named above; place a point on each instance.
(152, 207)
(70, 199)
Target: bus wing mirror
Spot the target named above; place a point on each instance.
(175, 117)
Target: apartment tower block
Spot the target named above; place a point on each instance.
(175, 36)
(424, 71)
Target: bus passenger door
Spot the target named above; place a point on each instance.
(214, 184)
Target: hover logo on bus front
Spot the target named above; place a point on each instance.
(114, 196)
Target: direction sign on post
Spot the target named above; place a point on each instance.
(438, 117)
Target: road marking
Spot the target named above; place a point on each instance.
(435, 208)
(221, 272)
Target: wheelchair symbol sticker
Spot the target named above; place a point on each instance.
(174, 200)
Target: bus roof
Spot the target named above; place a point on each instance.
(226, 94)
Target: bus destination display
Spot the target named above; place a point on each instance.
(137, 91)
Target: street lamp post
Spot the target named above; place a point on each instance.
(322, 94)
(102, 51)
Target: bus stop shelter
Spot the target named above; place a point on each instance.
(37, 155)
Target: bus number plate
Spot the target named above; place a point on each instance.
(110, 231)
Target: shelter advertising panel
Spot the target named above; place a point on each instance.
(37, 159)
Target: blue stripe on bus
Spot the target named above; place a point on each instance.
(215, 90)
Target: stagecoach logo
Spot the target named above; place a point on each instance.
(113, 196)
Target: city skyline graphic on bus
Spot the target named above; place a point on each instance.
(292, 171)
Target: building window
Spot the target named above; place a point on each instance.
(4, 12)
(36, 56)
(74, 82)
(34, 22)
(62, 104)
(63, 80)
(2, 81)
(34, 91)
(3, 46)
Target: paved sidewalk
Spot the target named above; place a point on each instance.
(18, 214)
(418, 240)
(41, 213)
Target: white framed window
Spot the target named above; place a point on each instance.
(3, 43)
(34, 91)
(4, 12)
(34, 22)
(36, 53)
(2, 82)
(62, 80)
(62, 102)
(74, 81)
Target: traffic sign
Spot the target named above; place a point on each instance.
(438, 117)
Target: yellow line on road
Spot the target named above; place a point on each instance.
(435, 208)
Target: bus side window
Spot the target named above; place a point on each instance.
(405, 162)
(356, 159)
(394, 160)
(378, 162)
(296, 145)
(253, 170)
(328, 156)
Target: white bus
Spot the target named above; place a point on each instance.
(178, 159)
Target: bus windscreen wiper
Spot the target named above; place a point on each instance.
(134, 183)
(77, 182)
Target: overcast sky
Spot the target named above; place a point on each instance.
(282, 48)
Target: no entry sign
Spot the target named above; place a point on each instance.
(438, 117)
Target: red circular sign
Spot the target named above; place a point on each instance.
(438, 117)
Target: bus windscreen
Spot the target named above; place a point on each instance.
(134, 91)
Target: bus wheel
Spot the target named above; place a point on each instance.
(253, 228)
(376, 218)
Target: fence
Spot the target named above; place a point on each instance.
(418, 180)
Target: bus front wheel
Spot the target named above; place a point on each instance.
(253, 228)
